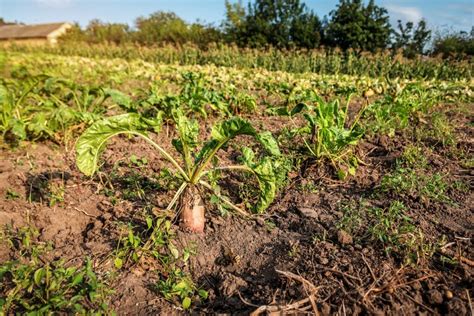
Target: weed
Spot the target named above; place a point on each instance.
(408, 182)
(396, 231)
(414, 157)
(351, 220)
(28, 284)
(56, 193)
(176, 285)
(12, 195)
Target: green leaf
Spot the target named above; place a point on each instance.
(221, 133)
(120, 98)
(269, 174)
(92, 142)
(18, 128)
(231, 128)
(203, 294)
(149, 222)
(118, 263)
(269, 143)
(298, 108)
(38, 276)
(174, 251)
(186, 303)
(77, 279)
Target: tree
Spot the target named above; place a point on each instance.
(411, 41)
(167, 27)
(454, 44)
(353, 25)
(99, 32)
(281, 23)
(234, 24)
(161, 27)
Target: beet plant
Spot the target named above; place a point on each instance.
(330, 133)
(194, 161)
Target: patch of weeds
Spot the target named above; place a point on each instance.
(56, 193)
(468, 163)
(414, 157)
(308, 187)
(460, 186)
(12, 195)
(156, 242)
(132, 186)
(294, 249)
(406, 181)
(138, 162)
(440, 130)
(270, 225)
(320, 238)
(176, 286)
(398, 234)
(29, 285)
(352, 219)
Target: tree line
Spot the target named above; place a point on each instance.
(285, 24)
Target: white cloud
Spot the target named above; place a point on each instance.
(412, 14)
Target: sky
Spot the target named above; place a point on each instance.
(441, 15)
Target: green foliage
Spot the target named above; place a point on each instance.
(321, 61)
(405, 106)
(389, 226)
(91, 144)
(411, 41)
(98, 32)
(167, 27)
(330, 135)
(409, 182)
(454, 45)
(177, 286)
(30, 285)
(398, 234)
(281, 23)
(45, 107)
(196, 163)
(354, 25)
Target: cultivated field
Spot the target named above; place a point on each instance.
(322, 192)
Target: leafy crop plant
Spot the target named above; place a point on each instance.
(195, 166)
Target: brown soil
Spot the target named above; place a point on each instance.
(237, 259)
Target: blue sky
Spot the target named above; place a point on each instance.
(440, 14)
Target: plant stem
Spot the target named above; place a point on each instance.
(177, 195)
(225, 200)
(164, 153)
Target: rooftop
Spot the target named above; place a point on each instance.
(17, 31)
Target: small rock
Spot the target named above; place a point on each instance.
(435, 297)
(324, 261)
(308, 212)
(416, 285)
(343, 237)
(260, 221)
(325, 218)
(231, 284)
(448, 294)
(106, 216)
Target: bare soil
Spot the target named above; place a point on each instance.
(237, 259)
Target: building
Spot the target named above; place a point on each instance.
(38, 34)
